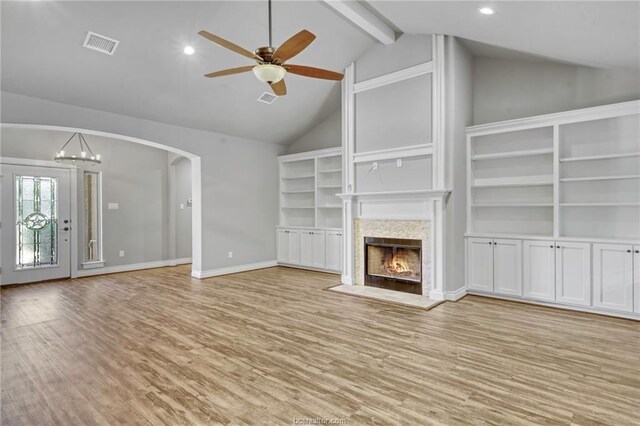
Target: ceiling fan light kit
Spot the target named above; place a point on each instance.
(271, 67)
(269, 73)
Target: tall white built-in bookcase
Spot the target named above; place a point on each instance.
(310, 231)
(549, 190)
(569, 175)
(309, 184)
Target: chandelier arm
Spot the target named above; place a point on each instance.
(67, 142)
(86, 144)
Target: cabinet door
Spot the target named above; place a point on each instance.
(333, 251)
(306, 248)
(283, 246)
(507, 267)
(573, 273)
(613, 277)
(480, 264)
(539, 270)
(294, 247)
(636, 278)
(319, 260)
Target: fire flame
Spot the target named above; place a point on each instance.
(397, 265)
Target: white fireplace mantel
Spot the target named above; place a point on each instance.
(427, 205)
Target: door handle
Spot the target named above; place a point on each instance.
(66, 221)
(66, 228)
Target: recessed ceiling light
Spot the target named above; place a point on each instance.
(486, 11)
(189, 50)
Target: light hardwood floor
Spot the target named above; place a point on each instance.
(268, 346)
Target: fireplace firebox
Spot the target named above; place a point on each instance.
(393, 263)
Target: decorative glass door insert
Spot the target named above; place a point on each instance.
(36, 221)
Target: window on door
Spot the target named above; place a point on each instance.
(36, 222)
(92, 217)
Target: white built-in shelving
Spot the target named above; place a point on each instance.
(567, 175)
(309, 184)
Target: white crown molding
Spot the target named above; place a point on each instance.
(573, 116)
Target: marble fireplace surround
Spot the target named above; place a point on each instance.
(414, 214)
(405, 229)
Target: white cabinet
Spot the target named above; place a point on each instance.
(495, 265)
(507, 266)
(539, 270)
(333, 250)
(303, 247)
(480, 264)
(636, 278)
(573, 273)
(613, 272)
(288, 246)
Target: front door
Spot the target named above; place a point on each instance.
(35, 224)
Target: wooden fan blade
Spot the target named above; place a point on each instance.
(313, 72)
(230, 71)
(293, 46)
(279, 88)
(225, 43)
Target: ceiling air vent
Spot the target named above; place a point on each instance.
(100, 43)
(267, 98)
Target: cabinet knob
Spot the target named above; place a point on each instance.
(637, 251)
(557, 246)
(490, 242)
(551, 246)
(629, 251)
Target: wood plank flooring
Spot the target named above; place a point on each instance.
(270, 346)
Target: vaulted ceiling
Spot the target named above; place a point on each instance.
(150, 77)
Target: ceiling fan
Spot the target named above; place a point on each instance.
(271, 66)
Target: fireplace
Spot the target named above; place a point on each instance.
(394, 264)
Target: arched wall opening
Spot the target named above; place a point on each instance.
(174, 153)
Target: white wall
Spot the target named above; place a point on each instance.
(133, 175)
(327, 134)
(238, 176)
(505, 89)
(459, 114)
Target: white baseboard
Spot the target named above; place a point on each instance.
(123, 268)
(181, 261)
(436, 295)
(456, 295)
(233, 269)
(345, 279)
(588, 309)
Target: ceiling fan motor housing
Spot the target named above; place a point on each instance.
(266, 53)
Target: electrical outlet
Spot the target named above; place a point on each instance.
(230, 254)
(121, 253)
(399, 162)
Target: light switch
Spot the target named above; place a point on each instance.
(181, 206)
(112, 206)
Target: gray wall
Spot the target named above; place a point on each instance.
(239, 177)
(327, 134)
(182, 185)
(459, 114)
(133, 175)
(505, 89)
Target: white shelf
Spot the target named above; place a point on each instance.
(298, 208)
(302, 191)
(594, 178)
(329, 206)
(600, 157)
(299, 177)
(514, 205)
(330, 187)
(633, 204)
(330, 171)
(512, 154)
(512, 184)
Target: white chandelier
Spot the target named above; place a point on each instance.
(85, 155)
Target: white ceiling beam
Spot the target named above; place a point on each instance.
(363, 18)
